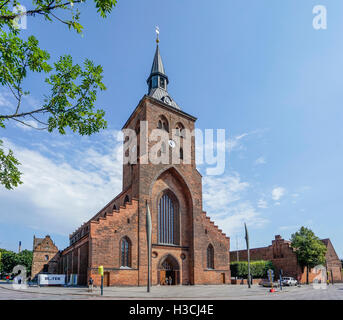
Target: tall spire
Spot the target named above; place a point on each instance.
(157, 64)
(158, 80)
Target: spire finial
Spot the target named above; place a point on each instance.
(157, 30)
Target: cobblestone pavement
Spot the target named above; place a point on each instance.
(224, 292)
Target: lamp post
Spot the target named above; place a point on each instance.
(148, 236)
(248, 249)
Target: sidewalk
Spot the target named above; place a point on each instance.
(165, 292)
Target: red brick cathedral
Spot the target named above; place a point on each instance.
(187, 247)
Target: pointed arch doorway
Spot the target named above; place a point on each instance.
(168, 271)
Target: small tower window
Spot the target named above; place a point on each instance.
(154, 82)
(162, 83)
(181, 153)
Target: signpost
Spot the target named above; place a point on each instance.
(280, 279)
(101, 272)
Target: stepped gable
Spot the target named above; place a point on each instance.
(214, 225)
(106, 210)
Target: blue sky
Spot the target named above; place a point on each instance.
(255, 68)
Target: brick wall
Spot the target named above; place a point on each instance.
(45, 253)
(283, 257)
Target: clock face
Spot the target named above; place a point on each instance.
(167, 100)
(172, 143)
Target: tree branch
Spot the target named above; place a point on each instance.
(42, 10)
(59, 19)
(13, 116)
(4, 4)
(36, 119)
(29, 125)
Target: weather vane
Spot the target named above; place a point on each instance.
(157, 30)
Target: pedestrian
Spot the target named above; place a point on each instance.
(170, 280)
(7, 279)
(90, 284)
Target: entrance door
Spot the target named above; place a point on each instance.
(106, 279)
(169, 271)
(223, 278)
(162, 277)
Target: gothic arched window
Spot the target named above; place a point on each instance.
(180, 130)
(163, 123)
(210, 257)
(125, 246)
(168, 224)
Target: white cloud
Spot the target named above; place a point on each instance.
(6, 100)
(233, 222)
(260, 160)
(278, 193)
(58, 195)
(219, 192)
(234, 143)
(262, 204)
(284, 228)
(224, 201)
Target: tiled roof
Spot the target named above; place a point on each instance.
(160, 94)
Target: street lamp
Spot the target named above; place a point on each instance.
(247, 241)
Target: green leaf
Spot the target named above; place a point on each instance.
(9, 173)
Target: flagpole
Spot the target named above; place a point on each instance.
(148, 231)
(248, 249)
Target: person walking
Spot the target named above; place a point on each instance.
(90, 284)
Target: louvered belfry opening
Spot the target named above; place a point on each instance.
(168, 220)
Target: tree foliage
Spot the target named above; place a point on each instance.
(10, 259)
(258, 268)
(69, 102)
(309, 249)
